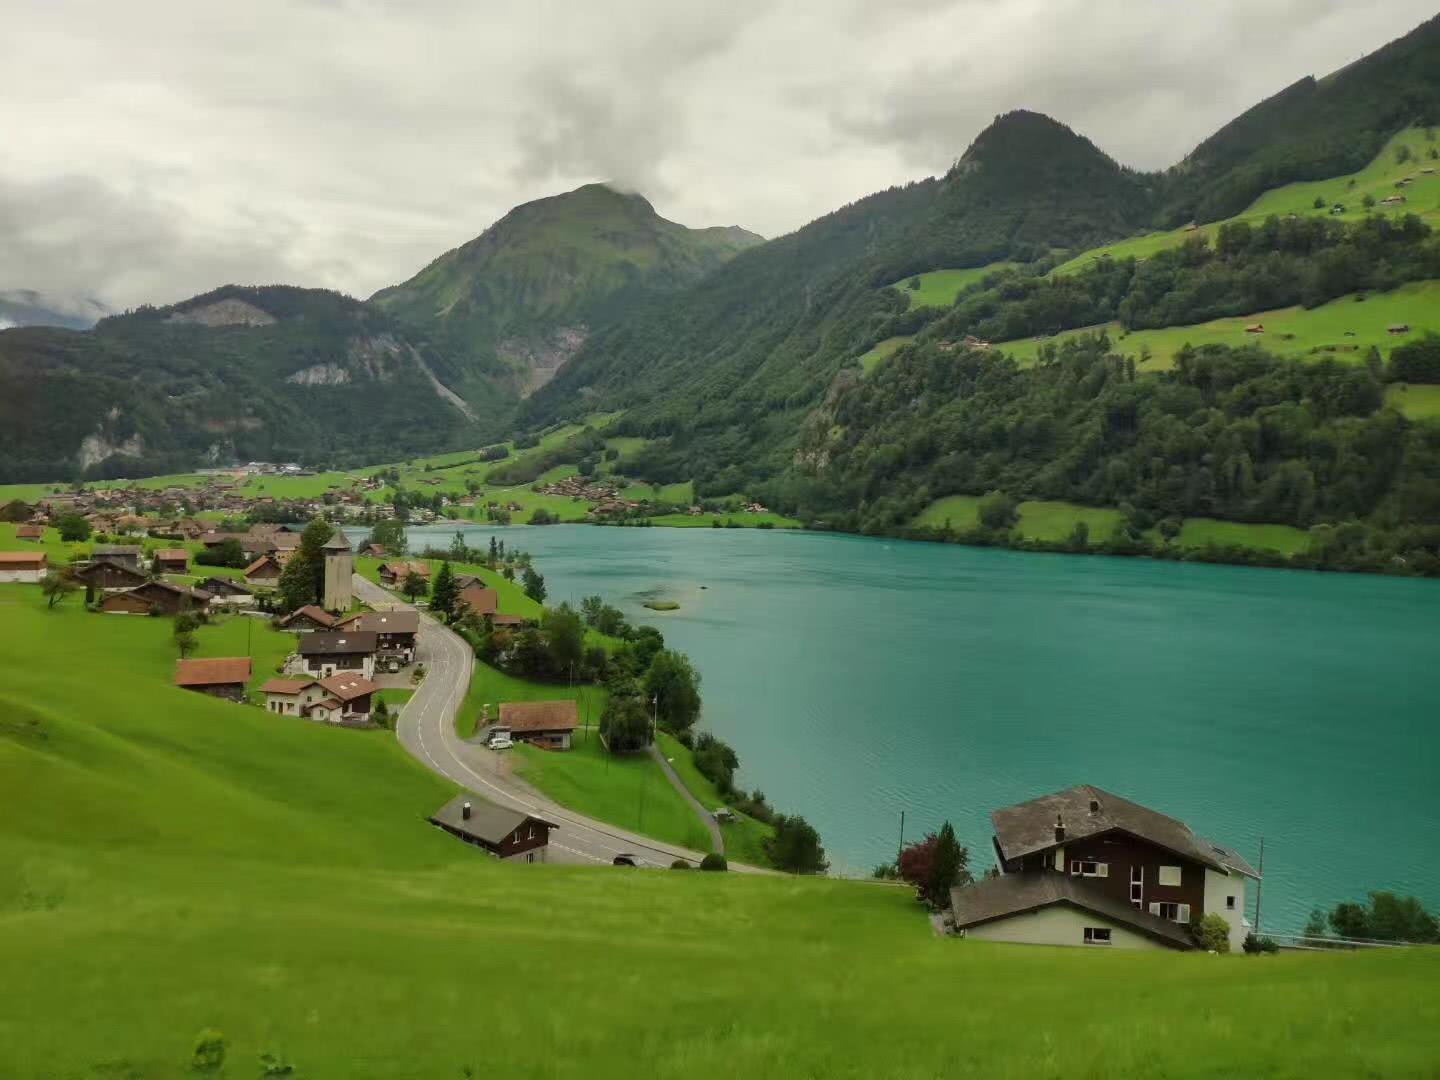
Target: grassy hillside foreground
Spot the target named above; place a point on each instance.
(173, 863)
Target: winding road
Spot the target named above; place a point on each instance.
(426, 728)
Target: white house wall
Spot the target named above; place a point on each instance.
(1217, 888)
(1059, 924)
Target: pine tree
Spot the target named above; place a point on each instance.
(303, 579)
(948, 867)
(444, 595)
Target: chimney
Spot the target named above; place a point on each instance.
(1059, 829)
(465, 811)
(1094, 806)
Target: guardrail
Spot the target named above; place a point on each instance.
(1318, 943)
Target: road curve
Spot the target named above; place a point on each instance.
(426, 728)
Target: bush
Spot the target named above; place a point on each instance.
(679, 864)
(1212, 933)
(209, 1053)
(1256, 945)
(714, 861)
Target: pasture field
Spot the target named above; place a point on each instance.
(175, 864)
(1376, 180)
(938, 288)
(1416, 401)
(1343, 329)
(870, 360)
(1201, 532)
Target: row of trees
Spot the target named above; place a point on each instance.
(1384, 917)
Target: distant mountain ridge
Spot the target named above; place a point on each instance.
(30, 307)
(534, 285)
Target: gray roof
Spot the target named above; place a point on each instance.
(1029, 827)
(336, 642)
(225, 586)
(100, 550)
(1014, 894)
(385, 622)
(1231, 858)
(337, 542)
(487, 821)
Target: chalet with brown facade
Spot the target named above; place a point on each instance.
(504, 833)
(23, 567)
(172, 561)
(264, 573)
(223, 677)
(226, 591)
(29, 532)
(307, 619)
(107, 575)
(548, 724)
(395, 632)
(323, 653)
(158, 596)
(342, 698)
(479, 600)
(393, 574)
(1085, 867)
(125, 554)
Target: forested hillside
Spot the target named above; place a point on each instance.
(272, 373)
(530, 288)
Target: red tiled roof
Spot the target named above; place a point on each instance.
(348, 687)
(227, 669)
(22, 558)
(173, 553)
(480, 601)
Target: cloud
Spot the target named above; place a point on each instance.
(346, 143)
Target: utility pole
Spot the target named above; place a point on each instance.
(901, 848)
(1258, 885)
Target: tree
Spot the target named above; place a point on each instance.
(1387, 917)
(184, 634)
(1403, 153)
(458, 550)
(674, 682)
(381, 713)
(226, 553)
(795, 847)
(949, 867)
(1367, 200)
(74, 529)
(412, 587)
(1319, 203)
(388, 534)
(443, 594)
(534, 585)
(625, 723)
(998, 511)
(303, 579)
(58, 584)
(565, 638)
(1079, 537)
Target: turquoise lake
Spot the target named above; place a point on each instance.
(857, 678)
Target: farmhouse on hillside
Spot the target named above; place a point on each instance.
(479, 600)
(504, 833)
(22, 566)
(125, 554)
(305, 619)
(337, 699)
(29, 532)
(223, 677)
(107, 575)
(264, 573)
(392, 574)
(172, 561)
(1085, 867)
(226, 591)
(159, 596)
(324, 653)
(394, 631)
(548, 724)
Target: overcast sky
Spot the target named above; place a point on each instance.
(155, 150)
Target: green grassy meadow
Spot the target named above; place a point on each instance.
(870, 360)
(744, 837)
(173, 863)
(938, 288)
(1417, 401)
(1343, 329)
(1377, 180)
(1202, 532)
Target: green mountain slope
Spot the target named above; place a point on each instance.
(173, 863)
(1315, 129)
(725, 370)
(532, 286)
(269, 373)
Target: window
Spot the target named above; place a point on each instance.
(1169, 875)
(532, 833)
(1174, 912)
(1230, 903)
(1097, 935)
(1085, 868)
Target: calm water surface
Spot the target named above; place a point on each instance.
(857, 678)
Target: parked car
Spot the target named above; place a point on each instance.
(625, 859)
(499, 742)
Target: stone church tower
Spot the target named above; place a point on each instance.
(339, 566)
